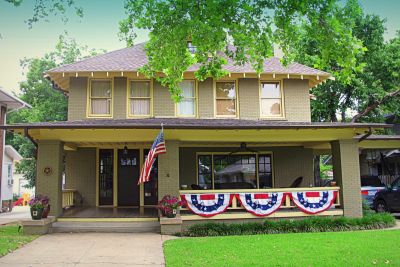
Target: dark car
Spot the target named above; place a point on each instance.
(388, 200)
(370, 185)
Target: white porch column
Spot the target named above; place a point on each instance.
(346, 170)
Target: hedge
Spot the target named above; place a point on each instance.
(311, 224)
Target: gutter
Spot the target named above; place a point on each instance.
(365, 136)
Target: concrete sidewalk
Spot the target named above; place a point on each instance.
(90, 249)
(17, 214)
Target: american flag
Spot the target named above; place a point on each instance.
(157, 148)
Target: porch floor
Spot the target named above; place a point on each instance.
(110, 212)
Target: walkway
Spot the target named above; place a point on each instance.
(17, 214)
(89, 249)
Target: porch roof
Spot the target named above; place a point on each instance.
(181, 123)
(89, 132)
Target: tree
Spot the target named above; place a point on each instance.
(244, 31)
(47, 103)
(44, 8)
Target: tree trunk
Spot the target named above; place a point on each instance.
(375, 104)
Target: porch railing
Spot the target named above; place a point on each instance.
(68, 196)
(287, 203)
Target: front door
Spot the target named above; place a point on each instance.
(128, 176)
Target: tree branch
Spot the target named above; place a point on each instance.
(375, 104)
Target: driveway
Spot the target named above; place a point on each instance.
(90, 250)
(17, 214)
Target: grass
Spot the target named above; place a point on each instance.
(362, 248)
(11, 239)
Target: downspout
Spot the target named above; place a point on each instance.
(26, 133)
(365, 136)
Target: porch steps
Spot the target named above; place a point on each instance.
(105, 227)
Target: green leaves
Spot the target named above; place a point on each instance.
(244, 31)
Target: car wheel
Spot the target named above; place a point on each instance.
(381, 206)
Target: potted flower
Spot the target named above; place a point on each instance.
(46, 206)
(168, 206)
(36, 208)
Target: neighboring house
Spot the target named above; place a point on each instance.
(243, 133)
(19, 187)
(8, 103)
(11, 156)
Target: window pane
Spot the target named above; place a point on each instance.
(188, 88)
(205, 172)
(271, 107)
(270, 90)
(186, 107)
(140, 89)
(226, 90)
(231, 173)
(140, 106)
(101, 89)
(226, 107)
(100, 106)
(264, 171)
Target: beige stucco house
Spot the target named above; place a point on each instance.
(258, 122)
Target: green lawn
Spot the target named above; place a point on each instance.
(362, 248)
(10, 239)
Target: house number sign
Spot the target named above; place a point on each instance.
(47, 171)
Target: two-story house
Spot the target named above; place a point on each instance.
(244, 133)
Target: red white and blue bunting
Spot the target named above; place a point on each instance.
(207, 205)
(314, 202)
(261, 204)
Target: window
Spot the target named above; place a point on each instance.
(9, 171)
(100, 98)
(271, 99)
(224, 171)
(191, 47)
(187, 106)
(225, 99)
(139, 98)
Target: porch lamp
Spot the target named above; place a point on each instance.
(125, 151)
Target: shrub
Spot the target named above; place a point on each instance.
(311, 224)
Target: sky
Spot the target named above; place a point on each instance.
(97, 29)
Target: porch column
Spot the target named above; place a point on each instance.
(346, 170)
(168, 170)
(49, 173)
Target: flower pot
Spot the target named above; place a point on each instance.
(46, 211)
(36, 213)
(171, 215)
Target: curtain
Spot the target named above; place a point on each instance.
(100, 106)
(187, 106)
(140, 106)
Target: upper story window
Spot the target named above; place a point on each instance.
(225, 99)
(191, 47)
(271, 99)
(100, 98)
(187, 106)
(140, 98)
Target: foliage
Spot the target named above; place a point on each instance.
(365, 88)
(167, 204)
(324, 168)
(44, 8)
(242, 31)
(39, 202)
(47, 104)
(11, 239)
(312, 224)
(363, 248)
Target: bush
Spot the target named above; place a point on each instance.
(311, 224)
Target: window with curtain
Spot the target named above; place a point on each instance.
(100, 97)
(271, 99)
(225, 98)
(187, 106)
(139, 98)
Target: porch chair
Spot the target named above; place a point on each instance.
(296, 183)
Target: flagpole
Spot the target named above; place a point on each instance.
(162, 127)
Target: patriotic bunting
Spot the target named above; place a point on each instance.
(315, 201)
(261, 204)
(207, 205)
